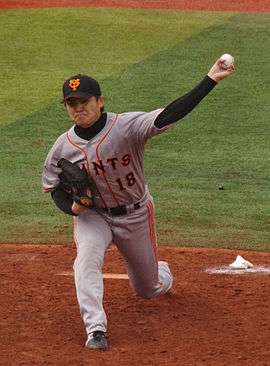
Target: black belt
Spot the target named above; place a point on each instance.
(121, 210)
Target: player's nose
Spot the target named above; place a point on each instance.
(78, 106)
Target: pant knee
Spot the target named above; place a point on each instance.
(150, 292)
(145, 294)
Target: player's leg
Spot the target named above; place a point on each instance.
(93, 236)
(137, 243)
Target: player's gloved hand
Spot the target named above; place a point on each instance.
(217, 71)
(75, 181)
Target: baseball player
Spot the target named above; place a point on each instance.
(108, 149)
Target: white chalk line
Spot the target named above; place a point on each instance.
(230, 271)
(115, 276)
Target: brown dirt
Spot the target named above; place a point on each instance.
(206, 319)
(212, 5)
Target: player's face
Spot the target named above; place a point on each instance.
(84, 112)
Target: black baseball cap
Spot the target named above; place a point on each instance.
(81, 86)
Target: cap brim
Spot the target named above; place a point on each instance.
(77, 95)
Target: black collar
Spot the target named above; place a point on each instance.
(90, 132)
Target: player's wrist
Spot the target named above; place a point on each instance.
(213, 77)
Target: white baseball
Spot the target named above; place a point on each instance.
(227, 60)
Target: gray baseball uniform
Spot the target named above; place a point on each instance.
(110, 148)
(114, 160)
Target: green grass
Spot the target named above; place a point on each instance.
(225, 140)
(41, 48)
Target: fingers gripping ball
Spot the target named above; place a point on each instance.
(76, 181)
(226, 60)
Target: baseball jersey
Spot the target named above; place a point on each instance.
(114, 158)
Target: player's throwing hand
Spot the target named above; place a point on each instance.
(218, 72)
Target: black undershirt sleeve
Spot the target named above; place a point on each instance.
(185, 104)
(63, 200)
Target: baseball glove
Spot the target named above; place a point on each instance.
(76, 182)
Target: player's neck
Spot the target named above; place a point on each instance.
(90, 132)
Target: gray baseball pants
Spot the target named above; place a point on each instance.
(134, 236)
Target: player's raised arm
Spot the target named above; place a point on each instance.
(179, 108)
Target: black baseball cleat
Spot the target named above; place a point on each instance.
(97, 340)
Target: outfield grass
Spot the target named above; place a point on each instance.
(143, 62)
(40, 48)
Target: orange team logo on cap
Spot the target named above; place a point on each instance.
(74, 84)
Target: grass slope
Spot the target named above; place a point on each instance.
(223, 141)
(41, 48)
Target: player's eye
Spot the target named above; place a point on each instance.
(75, 102)
(85, 101)
(72, 102)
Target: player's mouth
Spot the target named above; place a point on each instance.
(78, 116)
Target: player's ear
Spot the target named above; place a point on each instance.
(101, 103)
